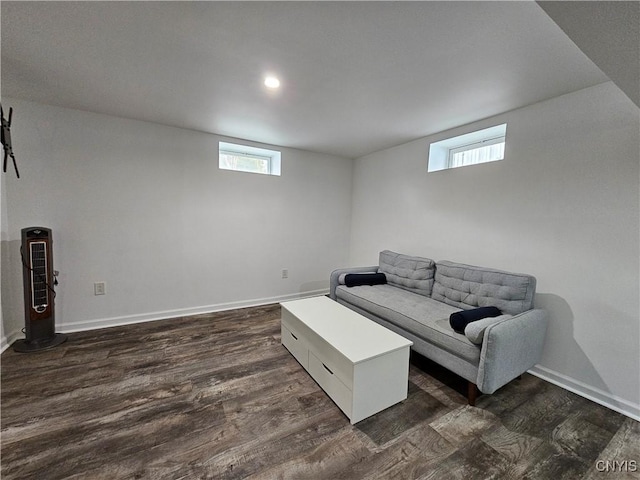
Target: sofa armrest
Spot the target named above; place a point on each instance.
(335, 275)
(510, 348)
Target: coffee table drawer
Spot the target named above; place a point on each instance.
(295, 325)
(332, 358)
(336, 361)
(331, 384)
(296, 344)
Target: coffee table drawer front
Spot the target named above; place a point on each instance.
(331, 384)
(332, 358)
(297, 345)
(295, 325)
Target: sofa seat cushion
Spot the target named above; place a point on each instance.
(424, 317)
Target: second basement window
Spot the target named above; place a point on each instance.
(483, 151)
(481, 146)
(243, 158)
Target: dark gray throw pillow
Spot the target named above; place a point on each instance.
(356, 279)
(459, 320)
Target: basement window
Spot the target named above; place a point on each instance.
(243, 158)
(482, 146)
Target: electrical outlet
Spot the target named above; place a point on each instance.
(285, 273)
(99, 288)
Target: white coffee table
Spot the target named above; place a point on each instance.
(361, 365)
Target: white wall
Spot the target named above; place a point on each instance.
(144, 208)
(3, 235)
(563, 205)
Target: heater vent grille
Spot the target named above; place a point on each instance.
(39, 274)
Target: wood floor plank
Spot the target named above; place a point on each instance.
(465, 424)
(476, 461)
(418, 408)
(420, 450)
(624, 448)
(325, 460)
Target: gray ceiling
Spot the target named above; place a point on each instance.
(609, 33)
(356, 76)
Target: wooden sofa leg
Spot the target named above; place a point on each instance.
(472, 394)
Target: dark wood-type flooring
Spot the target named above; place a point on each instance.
(217, 396)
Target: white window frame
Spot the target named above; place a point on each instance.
(273, 157)
(441, 153)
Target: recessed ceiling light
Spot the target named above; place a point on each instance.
(272, 82)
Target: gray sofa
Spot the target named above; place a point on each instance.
(419, 297)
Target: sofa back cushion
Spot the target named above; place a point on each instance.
(467, 286)
(411, 273)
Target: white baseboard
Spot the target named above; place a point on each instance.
(5, 342)
(594, 394)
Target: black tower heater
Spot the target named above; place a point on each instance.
(39, 295)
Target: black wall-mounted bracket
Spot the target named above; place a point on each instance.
(6, 140)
